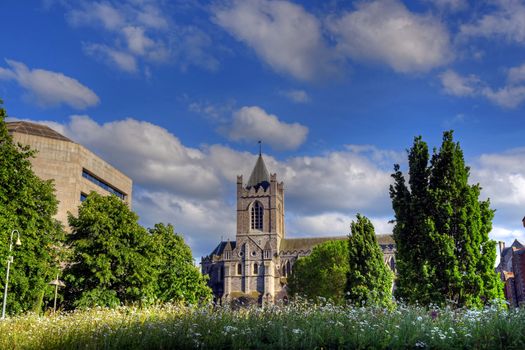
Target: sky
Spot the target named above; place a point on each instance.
(176, 94)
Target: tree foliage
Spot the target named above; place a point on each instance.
(178, 279)
(369, 280)
(117, 261)
(111, 255)
(322, 273)
(27, 204)
(444, 253)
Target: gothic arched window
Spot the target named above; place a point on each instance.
(255, 268)
(239, 269)
(257, 216)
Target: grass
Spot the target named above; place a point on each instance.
(296, 326)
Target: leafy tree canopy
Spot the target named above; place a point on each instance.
(369, 280)
(111, 255)
(28, 205)
(178, 278)
(322, 273)
(117, 261)
(444, 253)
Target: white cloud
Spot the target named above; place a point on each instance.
(511, 95)
(457, 85)
(137, 33)
(96, 14)
(123, 60)
(331, 224)
(506, 235)
(506, 21)
(216, 112)
(202, 222)
(516, 74)
(191, 46)
(385, 31)
(450, 5)
(297, 96)
(502, 176)
(49, 88)
(507, 96)
(337, 181)
(282, 34)
(253, 124)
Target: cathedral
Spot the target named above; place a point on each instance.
(258, 262)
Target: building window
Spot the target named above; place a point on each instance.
(87, 175)
(287, 269)
(267, 253)
(255, 268)
(257, 216)
(83, 196)
(227, 255)
(239, 269)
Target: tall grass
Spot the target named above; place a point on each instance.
(296, 326)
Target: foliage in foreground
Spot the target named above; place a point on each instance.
(369, 280)
(117, 261)
(442, 230)
(322, 273)
(296, 326)
(27, 204)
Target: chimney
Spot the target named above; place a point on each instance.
(501, 247)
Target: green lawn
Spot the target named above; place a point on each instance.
(295, 326)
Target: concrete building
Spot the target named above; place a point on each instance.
(261, 258)
(75, 170)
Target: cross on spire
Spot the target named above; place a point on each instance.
(260, 147)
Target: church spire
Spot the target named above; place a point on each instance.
(260, 175)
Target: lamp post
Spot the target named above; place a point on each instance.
(9, 261)
(57, 283)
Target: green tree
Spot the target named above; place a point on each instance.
(444, 253)
(27, 204)
(369, 280)
(178, 279)
(322, 273)
(112, 255)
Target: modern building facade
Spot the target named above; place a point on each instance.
(261, 258)
(75, 170)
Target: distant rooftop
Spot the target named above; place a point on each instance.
(35, 129)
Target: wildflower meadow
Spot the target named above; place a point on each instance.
(299, 325)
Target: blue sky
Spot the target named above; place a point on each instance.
(177, 93)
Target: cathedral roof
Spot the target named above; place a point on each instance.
(260, 175)
(220, 248)
(304, 244)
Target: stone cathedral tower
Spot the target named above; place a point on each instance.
(260, 230)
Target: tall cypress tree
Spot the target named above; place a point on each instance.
(369, 280)
(444, 253)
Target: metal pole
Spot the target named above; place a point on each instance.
(5, 288)
(9, 261)
(56, 294)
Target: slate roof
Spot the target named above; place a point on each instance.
(260, 175)
(304, 244)
(220, 248)
(35, 129)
